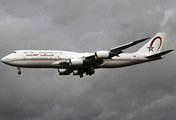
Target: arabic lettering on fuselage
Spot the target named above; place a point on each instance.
(46, 54)
(32, 54)
(43, 55)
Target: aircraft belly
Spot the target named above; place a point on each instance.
(39, 64)
(115, 63)
(32, 64)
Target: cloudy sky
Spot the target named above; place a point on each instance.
(142, 92)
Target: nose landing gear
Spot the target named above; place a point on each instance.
(19, 71)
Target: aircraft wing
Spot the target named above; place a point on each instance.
(97, 58)
(117, 50)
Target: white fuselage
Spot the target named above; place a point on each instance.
(80, 63)
(46, 58)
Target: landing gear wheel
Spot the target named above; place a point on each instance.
(89, 71)
(19, 72)
(81, 75)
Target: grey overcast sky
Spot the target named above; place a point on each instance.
(142, 92)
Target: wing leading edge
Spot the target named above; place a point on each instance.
(118, 49)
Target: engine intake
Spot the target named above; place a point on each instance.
(76, 72)
(102, 54)
(64, 71)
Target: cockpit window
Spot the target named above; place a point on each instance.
(14, 52)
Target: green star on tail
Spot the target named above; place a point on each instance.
(150, 48)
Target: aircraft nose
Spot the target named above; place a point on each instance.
(3, 59)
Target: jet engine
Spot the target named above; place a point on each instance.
(64, 71)
(76, 72)
(102, 55)
(76, 62)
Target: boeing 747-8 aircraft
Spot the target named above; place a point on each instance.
(80, 63)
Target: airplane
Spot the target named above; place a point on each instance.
(79, 63)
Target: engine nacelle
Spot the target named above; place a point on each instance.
(76, 62)
(64, 71)
(75, 72)
(102, 55)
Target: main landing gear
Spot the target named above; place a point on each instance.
(81, 75)
(88, 71)
(19, 71)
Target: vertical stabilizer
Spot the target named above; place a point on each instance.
(154, 45)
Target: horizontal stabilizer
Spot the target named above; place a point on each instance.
(159, 54)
